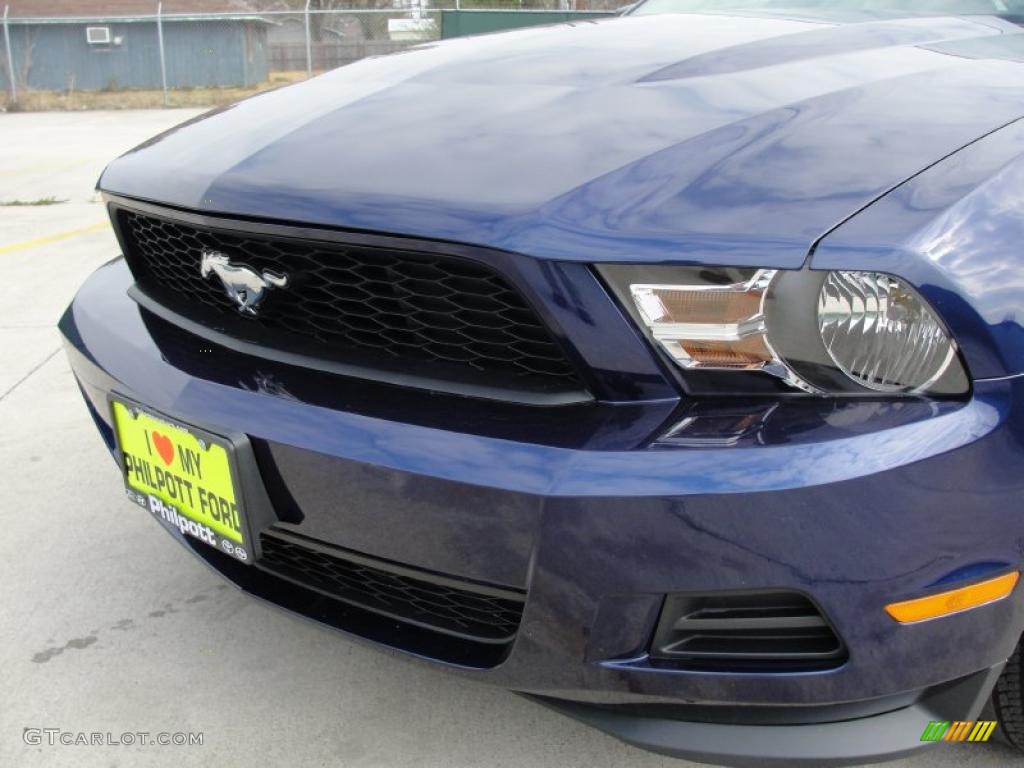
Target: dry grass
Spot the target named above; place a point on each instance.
(24, 203)
(43, 101)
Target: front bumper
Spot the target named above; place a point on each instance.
(856, 507)
(853, 741)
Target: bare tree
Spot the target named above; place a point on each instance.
(319, 21)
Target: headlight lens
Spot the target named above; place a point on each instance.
(817, 332)
(881, 334)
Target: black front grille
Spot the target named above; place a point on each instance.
(776, 631)
(481, 613)
(367, 306)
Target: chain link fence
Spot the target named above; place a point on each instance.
(165, 57)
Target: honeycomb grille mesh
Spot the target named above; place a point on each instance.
(382, 304)
(465, 612)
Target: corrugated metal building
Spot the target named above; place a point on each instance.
(114, 44)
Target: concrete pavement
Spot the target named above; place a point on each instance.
(125, 632)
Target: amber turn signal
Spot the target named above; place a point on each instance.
(953, 601)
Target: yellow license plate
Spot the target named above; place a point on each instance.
(184, 476)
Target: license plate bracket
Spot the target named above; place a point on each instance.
(189, 478)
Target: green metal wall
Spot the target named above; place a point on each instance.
(459, 23)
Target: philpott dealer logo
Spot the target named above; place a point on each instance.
(958, 730)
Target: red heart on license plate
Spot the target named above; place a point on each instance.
(164, 447)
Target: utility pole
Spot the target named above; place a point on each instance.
(10, 58)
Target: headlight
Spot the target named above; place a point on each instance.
(881, 334)
(817, 332)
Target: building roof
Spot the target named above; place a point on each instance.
(107, 9)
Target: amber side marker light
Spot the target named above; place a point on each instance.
(953, 601)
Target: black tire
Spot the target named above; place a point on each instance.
(1008, 701)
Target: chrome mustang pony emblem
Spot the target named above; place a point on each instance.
(244, 286)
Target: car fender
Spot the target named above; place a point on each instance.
(955, 232)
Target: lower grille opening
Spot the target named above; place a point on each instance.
(770, 631)
(407, 598)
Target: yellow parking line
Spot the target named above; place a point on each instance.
(36, 242)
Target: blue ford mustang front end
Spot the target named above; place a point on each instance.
(668, 369)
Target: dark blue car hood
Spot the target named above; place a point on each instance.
(660, 138)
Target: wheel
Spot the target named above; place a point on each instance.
(1008, 701)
